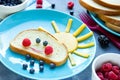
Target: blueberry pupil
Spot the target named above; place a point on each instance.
(45, 43)
(37, 40)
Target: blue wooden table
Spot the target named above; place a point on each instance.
(61, 5)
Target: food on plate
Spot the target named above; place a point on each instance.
(115, 4)
(91, 5)
(113, 27)
(72, 40)
(107, 10)
(115, 20)
(46, 48)
(84, 37)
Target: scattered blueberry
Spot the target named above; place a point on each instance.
(32, 71)
(41, 68)
(38, 40)
(32, 62)
(52, 65)
(41, 62)
(45, 43)
(28, 57)
(25, 66)
(52, 6)
(103, 40)
(71, 13)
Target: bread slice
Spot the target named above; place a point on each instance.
(37, 50)
(115, 20)
(115, 4)
(99, 9)
(113, 27)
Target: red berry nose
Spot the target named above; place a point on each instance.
(26, 42)
(48, 50)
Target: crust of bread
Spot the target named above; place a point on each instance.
(39, 56)
(113, 27)
(91, 7)
(109, 5)
(111, 19)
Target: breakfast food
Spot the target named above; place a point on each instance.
(106, 10)
(39, 3)
(108, 71)
(70, 5)
(71, 40)
(40, 45)
(115, 20)
(99, 9)
(103, 40)
(113, 27)
(115, 4)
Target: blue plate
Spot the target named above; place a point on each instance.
(102, 24)
(20, 21)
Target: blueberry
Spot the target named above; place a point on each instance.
(106, 41)
(41, 62)
(52, 65)
(25, 66)
(45, 43)
(8, 1)
(32, 71)
(28, 57)
(38, 40)
(71, 13)
(103, 40)
(53, 6)
(41, 68)
(19, 2)
(32, 62)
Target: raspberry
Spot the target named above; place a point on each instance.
(70, 5)
(26, 42)
(107, 66)
(112, 75)
(48, 50)
(40, 2)
(100, 75)
(38, 6)
(115, 69)
(106, 74)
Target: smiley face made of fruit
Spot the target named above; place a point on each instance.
(48, 50)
